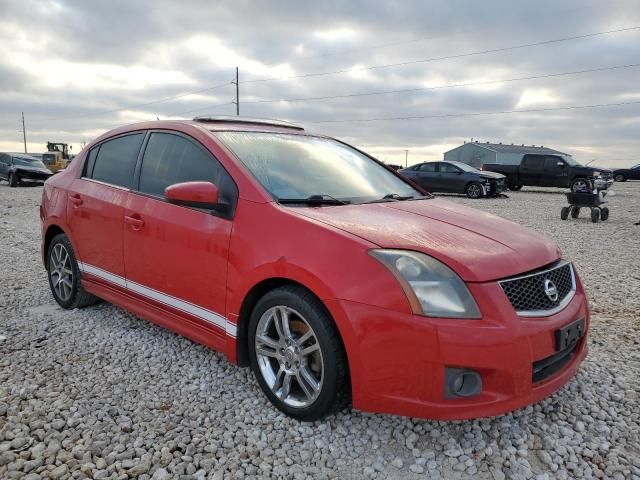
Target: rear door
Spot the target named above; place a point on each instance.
(95, 207)
(531, 169)
(427, 176)
(175, 255)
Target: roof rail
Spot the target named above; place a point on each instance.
(248, 120)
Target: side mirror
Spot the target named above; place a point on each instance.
(560, 164)
(193, 194)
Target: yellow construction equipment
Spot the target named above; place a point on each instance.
(57, 156)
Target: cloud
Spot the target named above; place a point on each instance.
(77, 68)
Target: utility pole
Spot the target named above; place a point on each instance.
(237, 93)
(406, 158)
(24, 134)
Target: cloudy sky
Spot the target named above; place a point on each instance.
(77, 68)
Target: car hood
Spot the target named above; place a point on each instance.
(34, 169)
(478, 246)
(486, 174)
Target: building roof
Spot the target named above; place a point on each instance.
(511, 148)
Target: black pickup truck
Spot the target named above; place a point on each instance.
(550, 171)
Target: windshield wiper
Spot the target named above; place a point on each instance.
(393, 197)
(322, 199)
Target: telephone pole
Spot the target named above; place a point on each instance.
(24, 134)
(406, 158)
(237, 93)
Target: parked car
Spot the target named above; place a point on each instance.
(624, 174)
(17, 168)
(329, 274)
(456, 177)
(550, 171)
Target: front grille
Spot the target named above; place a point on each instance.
(551, 365)
(532, 295)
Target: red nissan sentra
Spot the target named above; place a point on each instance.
(328, 273)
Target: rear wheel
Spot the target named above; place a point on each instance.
(474, 190)
(297, 355)
(619, 178)
(575, 212)
(564, 213)
(64, 275)
(515, 188)
(604, 214)
(595, 215)
(13, 180)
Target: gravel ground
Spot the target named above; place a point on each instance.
(98, 393)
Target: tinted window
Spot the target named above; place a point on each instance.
(531, 161)
(91, 160)
(170, 159)
(448, 168)
(116, 160)
(4, 158)
(428, 167)
(551, 162)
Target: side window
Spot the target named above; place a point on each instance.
(115, 162)
(551, 163)
(530, 162)
(448, 168)
(170, 159)
(91, 160)
(428, 167)
(4, 158)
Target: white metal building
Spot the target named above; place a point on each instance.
(475, 153)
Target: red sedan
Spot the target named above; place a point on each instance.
(331, 275)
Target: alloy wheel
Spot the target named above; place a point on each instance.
(61, 272)
(289, 356)
(580, 186)
(474, 190)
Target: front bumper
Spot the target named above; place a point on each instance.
(33, 176)
(397, 360)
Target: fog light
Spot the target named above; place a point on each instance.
(460, 382)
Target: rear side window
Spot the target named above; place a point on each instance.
(115, 161)
(170, 159)
(428, 167)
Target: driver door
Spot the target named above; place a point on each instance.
(556, 172)
(176, 256)
(449, 178)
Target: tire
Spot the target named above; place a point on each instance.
(604, 214)
(564, 213)
(578, 183)
(595, 215)
(276, 361)
(474, 190)
(13, 180)
(64, 275)
(620, 178)
(575, 212)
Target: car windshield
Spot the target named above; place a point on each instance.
(464, 167)
(302, 167)
(28, 162)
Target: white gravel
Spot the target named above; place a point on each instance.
(98, 393)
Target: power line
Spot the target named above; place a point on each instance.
(475, 114)
(447, 57)
(438, 87)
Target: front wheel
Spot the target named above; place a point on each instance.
(575, 212)
(564, 213)
(297, 355)
(580, 185)
(474, 190)
(595, 215)
(604, 214)
(13, 180)
(619, 178)
(64, 275)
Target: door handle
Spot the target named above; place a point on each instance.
(76, 200)
(134, 220)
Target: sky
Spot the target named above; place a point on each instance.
(78, 68)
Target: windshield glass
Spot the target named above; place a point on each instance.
(298, 167)
(464, 167)
(26, 162)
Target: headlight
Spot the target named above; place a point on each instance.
(596, 174)
(432, 288)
